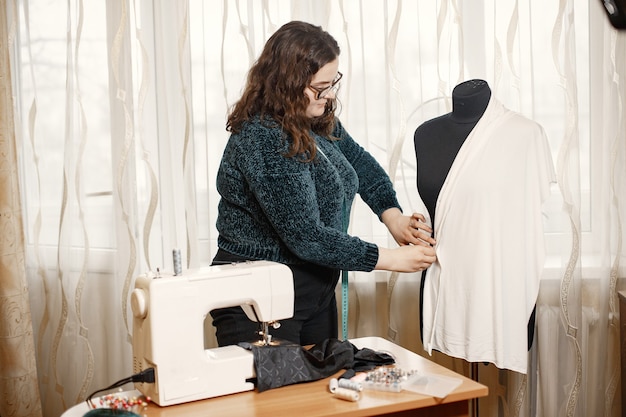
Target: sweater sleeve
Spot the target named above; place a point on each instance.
(375, 186)
(285, 190)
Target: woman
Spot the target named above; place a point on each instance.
(287, 180)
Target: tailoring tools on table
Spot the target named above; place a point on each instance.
(168, 327)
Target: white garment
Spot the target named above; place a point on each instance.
(479, 295)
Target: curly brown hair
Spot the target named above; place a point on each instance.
(276, 83)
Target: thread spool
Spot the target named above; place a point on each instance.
(353, 385)
(346, 394)
(178, 265)
(333, 385)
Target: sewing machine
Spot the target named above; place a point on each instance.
(168, 327)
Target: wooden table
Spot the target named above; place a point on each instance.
(313, 399)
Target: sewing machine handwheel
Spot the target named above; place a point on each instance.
(138, 303)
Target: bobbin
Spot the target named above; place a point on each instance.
(346, 394)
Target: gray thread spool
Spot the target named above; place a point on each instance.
(353, 385)
(178, 266)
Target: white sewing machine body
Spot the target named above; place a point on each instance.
(168, 327)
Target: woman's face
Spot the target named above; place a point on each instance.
(322, 79)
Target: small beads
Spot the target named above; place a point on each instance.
(387, 379)
(119, 402)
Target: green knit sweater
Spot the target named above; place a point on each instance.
(289, 211)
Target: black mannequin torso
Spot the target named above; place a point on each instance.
(438, 141)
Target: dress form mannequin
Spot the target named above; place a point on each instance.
(437, 143)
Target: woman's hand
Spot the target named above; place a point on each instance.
(408, 258)
(408, 230)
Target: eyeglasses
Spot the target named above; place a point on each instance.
(323, 92)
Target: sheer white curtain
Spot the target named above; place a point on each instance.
(120, 111)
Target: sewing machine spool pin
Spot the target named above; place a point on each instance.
(177, 260)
